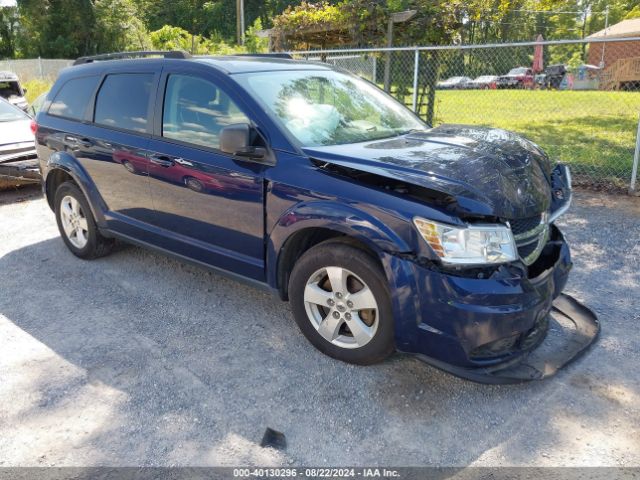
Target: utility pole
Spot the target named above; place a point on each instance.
(585, 15)
(606, 27)
(240, 21)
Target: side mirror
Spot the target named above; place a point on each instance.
(236, 140)
(24, 91)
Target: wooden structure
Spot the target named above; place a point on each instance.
(624, 73)
(619, 60)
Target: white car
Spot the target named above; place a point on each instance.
(18, 157)
(453, 82)
(483, 82)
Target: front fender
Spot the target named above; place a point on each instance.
(63, 161)
(341, 218)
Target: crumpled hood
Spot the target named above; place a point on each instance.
(488, 171)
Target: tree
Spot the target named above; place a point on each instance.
(252, 42)
(8, 31)
(118, 27)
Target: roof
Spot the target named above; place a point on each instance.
(626, 28)
(244, 64)
(229, 64)
(8, 76)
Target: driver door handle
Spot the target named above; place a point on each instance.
(162, 160)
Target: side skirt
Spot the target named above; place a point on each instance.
(225, 273)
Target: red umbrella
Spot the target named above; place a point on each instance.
(538, 60)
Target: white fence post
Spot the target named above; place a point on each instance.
(416, 62)
(636, 158)
(374, 69)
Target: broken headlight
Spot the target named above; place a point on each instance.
(469, 245)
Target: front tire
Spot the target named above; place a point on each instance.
(77, 225)
(341, 302)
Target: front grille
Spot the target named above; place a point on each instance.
(525, 250)
(530, 234)
(522, 225)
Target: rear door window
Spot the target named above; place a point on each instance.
(73, 98)
(123, 101)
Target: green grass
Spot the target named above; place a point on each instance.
(593, 131)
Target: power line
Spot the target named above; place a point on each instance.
(554, 12)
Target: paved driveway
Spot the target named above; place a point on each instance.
(137, 359)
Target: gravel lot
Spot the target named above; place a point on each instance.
(137, 359)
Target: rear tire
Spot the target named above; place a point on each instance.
(76, 224)
(328, 286)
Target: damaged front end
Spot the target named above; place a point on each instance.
(480, 293)
(521, 328)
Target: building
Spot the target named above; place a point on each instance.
(620, 60)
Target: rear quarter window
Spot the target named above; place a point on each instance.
(73, 98)
(123, 101)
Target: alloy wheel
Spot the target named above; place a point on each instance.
(341, 307)
(74, 222)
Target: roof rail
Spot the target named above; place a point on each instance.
(121, 55)
(265, 55)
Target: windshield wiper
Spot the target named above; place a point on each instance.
(413, 130)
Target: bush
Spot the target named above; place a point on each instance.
(35, 88)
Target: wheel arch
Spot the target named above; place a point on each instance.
(61, 168)
(307, 225)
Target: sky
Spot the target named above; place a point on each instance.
(7, 3)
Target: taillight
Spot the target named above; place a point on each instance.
(34, 127)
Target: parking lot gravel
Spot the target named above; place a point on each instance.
(137, 359)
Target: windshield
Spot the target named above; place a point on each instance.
(329, 108)
(10, 89)
(9, 113)
(518, 71)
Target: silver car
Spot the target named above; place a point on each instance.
(453, 83)
(18, 158)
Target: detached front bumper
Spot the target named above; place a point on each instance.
(511, 326)
(20, 171)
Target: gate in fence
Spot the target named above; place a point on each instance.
(582, 106)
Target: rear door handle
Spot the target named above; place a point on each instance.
(82, 142)
(162, 160)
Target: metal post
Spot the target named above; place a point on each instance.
(636, 158)
(40, 72)
(387, 63)
(606, 26)
(374, 69)
(416, 62)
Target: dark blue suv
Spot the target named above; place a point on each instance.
(383, 233)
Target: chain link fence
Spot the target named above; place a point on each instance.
(581, 102)
(35, 69)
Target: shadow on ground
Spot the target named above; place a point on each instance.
(137, 359)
